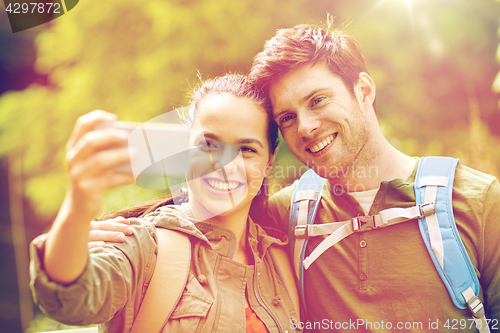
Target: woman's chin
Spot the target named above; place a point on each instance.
(224, 207)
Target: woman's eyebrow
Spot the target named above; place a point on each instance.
(215, 137)
(248, 141)
(212, 136)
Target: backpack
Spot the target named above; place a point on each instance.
(170, 277)
(166, 286)
(433, 193)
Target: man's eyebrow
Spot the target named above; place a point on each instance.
(312, 94)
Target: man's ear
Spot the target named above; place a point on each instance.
(365, 89)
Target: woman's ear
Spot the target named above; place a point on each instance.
(270, 164)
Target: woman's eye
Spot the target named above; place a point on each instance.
(207, 145)
(247, 149)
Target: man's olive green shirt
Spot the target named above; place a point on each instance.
(384, 280)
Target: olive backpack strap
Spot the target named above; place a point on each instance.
(167, 283)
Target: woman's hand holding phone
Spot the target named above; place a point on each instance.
(92, 158)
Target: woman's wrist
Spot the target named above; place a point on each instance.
(66, 249)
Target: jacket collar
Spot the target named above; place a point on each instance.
(216, 237)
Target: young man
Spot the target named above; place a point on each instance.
(383, 279)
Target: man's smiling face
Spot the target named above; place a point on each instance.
(322, 123)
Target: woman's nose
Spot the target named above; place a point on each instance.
(226, 157)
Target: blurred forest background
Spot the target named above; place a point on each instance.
(433, 61)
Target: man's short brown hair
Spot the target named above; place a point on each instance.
(307, 44)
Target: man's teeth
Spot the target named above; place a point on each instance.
(223, 186)
(319, 146)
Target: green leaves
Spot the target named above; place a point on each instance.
(139, 59)
(136, 59)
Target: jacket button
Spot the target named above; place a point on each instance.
(362, 243)
(258, 273)
(363, 277)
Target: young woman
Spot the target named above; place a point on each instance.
(234, 282)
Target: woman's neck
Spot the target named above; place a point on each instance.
(237, 222)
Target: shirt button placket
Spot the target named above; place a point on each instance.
(363, 261)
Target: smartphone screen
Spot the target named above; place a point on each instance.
(161, 150)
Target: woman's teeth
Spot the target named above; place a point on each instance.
(223, 186)
(319, 146)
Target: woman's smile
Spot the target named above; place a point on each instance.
(222, 185)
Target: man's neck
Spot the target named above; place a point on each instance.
(378, 163)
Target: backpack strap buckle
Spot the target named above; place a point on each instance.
(476, 307)
(474, 303)
(427, 209)
(363, 223)
(301, 231)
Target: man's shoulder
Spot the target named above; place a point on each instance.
(473, 182)
(279, 206)
(475, 196)
(284, 196)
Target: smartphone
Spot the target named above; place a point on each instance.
(161, 149)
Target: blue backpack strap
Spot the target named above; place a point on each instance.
(434, 183)
(304, 205)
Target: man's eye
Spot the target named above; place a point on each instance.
(286, 118)
(317, 100)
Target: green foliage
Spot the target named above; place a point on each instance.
(433, 63)
(139, 59)
(136, 59)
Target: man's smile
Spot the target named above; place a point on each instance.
(319, 146)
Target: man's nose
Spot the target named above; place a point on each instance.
(307, 123)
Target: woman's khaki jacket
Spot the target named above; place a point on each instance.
(116, 278)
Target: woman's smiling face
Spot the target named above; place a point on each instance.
(231, 155)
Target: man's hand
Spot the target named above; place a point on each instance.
(112, 230)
